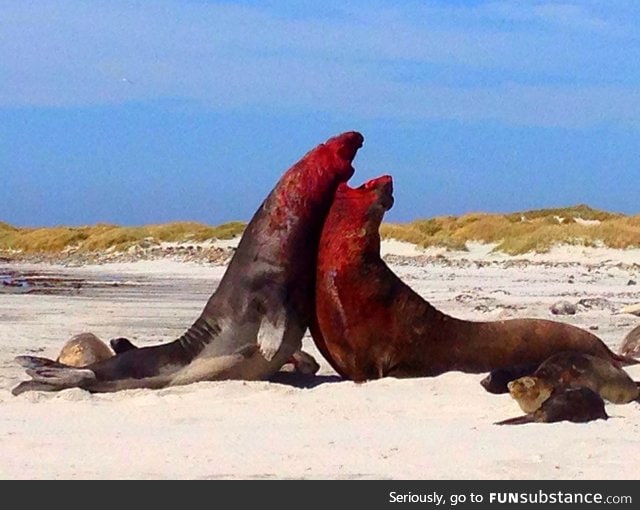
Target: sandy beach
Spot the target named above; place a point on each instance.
(322, 427)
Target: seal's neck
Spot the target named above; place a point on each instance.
(351, 235)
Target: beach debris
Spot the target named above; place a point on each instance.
(630, 345)
(632, 309)
(595, 303)
(563, 308)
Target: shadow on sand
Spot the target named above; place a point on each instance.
(304, 381)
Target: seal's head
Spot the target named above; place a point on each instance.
(368, 203)
(344, 148)
(355, 217)
(301, 199)
(530, 392)
(323, 167)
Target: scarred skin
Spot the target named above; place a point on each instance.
(255, 319)
(369, 324)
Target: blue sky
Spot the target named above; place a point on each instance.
(137, 112)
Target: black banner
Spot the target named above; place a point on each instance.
(366, 494)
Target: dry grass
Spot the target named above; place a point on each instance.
(103, 237)
(522, 232)
(514, 233)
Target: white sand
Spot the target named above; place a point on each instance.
(421, 428)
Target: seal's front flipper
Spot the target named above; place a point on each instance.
(120, 345)
(304, 363)
(271, 334)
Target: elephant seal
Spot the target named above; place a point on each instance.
(578, 405)
(82, 350)
(369, 324)
(255, 319)
(630, 345)
(573, 369)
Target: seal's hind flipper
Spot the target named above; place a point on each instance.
(49, 375)
(66, 377)
(518, 420)
(37, 362)
(32, 386)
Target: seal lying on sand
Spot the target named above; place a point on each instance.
(369, 324)
(573, 369)
(630, 346)
(84, 349)
(300, 362)
(578, 405)
(256, 318)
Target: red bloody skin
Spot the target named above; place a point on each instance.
(369, 324)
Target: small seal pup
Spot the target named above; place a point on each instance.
(630, 345)
(256, 318)
(573, 369)
(84, 349)
(578, 405)
(370, 324)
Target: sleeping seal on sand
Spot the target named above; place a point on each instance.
(255, 319)
(301, 362)
(573, 369)
(84, 349)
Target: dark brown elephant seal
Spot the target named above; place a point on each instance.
(573, 369)
(84, 349)
(630, 345)
(255, 319)
(369, 324)
(578, 405)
